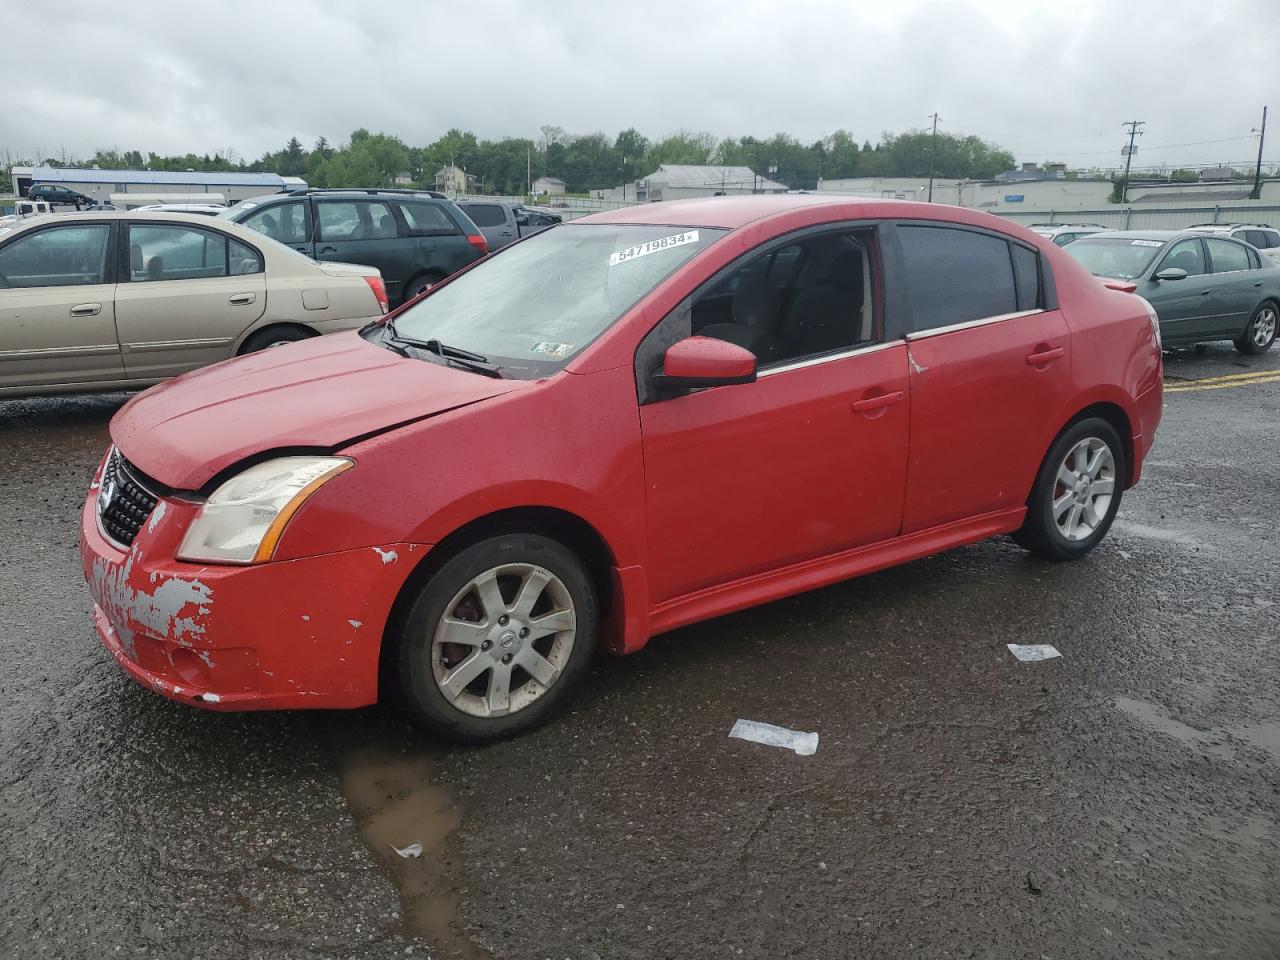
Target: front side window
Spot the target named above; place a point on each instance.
(486, 214)
(533, 305)
(57, 257)
(1227, 257)
(1122, 258)
(285, 222)
(355, 220)
(781, 313)
(1186, 255)
(175, 253)
(427, 220)
(955, 276)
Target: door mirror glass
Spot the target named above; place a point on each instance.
(705, 362)
(1171, 273)
(522, 220)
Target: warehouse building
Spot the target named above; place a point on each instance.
(131, 188)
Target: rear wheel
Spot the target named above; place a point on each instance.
(497, 639)
(1260, 334)
(418, 286)
(1077, 493)
(274, 337)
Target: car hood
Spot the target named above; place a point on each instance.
(319, 394)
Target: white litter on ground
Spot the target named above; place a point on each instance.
(1030, 653)
(412, 850)
(804, 744)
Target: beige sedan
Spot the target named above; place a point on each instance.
(107, 301)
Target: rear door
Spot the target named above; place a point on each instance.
(57, 306)
(1236, 289)
(185, 296)
(438, 245)
(364, 232)
(494, 220)
(289, 223)
(990, 360)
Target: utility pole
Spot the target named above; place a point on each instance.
(528, 169)
(933, 153)
(1257, 171)
(1135, 128)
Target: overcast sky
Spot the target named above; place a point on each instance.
(1047, 80)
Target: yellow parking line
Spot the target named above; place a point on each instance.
(1271, 377)
(1254, 374)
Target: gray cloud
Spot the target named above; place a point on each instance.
(1048, 81)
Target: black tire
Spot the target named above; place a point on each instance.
(419, 284)
(274, 337)
(1267, 314)
(1040, 532)
(415, 664)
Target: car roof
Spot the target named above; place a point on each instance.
(732, 212)
(156, 216)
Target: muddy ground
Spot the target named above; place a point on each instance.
(1121, 801)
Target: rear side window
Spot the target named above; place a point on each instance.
(486, 214)
(1227, 257)
(60, 257)
(427, 220)
(955, 276)
(1026, 276)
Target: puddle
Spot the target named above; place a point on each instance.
(395, 804)
(1149, 715)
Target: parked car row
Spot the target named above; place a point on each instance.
(502, 222)
(1204, 285)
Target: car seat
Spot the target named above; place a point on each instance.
(826, 317)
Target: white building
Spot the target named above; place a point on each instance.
(679, 181)
(996, 196)
(177, 186)
(549, 185)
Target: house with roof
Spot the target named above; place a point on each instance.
(549, 185)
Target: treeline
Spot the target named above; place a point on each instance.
(590, 161)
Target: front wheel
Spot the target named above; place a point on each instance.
(1261, 331)
(497, 639)
(1077, 493)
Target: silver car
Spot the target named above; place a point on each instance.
(109, 301)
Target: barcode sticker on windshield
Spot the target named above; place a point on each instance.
(653, 246)
(1147, 243)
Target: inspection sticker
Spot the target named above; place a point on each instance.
(653, 246)
(1147, 243)
(549, 349)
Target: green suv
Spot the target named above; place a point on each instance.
(416, 238)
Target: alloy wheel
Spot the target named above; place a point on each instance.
(1085, 486)
(1264, 326)
(503, 640)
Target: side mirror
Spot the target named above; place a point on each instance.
(1171, 273)
(704, 362)
(522, 220)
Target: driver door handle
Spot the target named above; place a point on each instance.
(869, 404)
(86, 310)
(239, 298)
(1042, 357)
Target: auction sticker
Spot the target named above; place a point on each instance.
(1148, 243)
(653, 246)
(549, 349)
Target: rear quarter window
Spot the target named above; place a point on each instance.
(957, 275)
(427, 220)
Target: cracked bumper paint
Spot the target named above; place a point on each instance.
(287, 635)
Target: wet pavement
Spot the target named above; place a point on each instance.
(1121, 801)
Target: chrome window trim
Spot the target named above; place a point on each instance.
(786, 367)
(968, 324)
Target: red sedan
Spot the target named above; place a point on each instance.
(616, 427)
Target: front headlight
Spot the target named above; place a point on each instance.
(243, 520)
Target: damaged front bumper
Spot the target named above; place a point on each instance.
(279, 635)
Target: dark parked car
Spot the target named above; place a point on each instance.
(55, 194)
(502, 222)
(415, 238)
(1203, 287)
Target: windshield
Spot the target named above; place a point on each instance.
(532, 306)
(1123, 258)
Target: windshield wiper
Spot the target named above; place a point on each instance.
(464, 359)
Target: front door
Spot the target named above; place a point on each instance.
(186, 295)
(990, 366)
(364, 232)
(1183, 306)
(57, 307)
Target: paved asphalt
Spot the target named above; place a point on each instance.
(1121, 801)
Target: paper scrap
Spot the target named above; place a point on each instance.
(1032, 652)
(804, 744)
(412, 850)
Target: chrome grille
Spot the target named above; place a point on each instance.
(123, 502)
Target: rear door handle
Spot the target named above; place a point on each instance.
(1040, 358)
(86, 310)
(328, 250)
(870, 404)
(239, 298)
(1205, 293)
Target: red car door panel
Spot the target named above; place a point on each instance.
(982, 397)
(808, 460)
